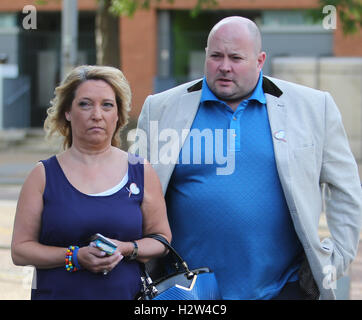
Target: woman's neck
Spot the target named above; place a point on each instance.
(89, 155)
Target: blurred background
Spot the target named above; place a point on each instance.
(157, 44)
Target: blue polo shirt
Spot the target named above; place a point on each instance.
(235, 221)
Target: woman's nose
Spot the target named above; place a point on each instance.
(97, 112)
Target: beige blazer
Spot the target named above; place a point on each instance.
(311, 151)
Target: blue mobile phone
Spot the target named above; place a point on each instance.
(104, 243)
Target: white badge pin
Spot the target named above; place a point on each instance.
(280, 135)
(133, 189)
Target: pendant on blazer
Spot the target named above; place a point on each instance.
(280, 135)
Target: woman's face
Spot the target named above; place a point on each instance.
(93, 114)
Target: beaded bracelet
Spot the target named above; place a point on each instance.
(71, 262)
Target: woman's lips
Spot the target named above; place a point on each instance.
(96, 129)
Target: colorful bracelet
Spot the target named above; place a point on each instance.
(71, 262)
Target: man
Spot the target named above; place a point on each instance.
(252, 215)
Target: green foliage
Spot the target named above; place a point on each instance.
(43, 2)
(203, 4)
(129, 7)
(349, 12)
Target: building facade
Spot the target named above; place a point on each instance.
(161, 46)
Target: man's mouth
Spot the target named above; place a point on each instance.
(224, 81)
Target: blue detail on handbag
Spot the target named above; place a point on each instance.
(204, 288)
(197, 284)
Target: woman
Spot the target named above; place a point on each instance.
(92, 187)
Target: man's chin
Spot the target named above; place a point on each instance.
(227, 97)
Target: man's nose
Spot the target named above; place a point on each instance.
(225, 65)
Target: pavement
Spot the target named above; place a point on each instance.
(19, 152)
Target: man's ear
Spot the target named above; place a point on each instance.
(261, 59)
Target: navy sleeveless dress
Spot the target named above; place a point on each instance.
(71, 217)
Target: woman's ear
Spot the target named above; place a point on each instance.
(67, 116)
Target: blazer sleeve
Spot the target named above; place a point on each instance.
(141, 144)
(343, 199)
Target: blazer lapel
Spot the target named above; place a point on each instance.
(277, 112)
(186, 112)
(177, 128)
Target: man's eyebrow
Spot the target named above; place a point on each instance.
(215, 51)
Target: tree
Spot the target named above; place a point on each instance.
(107, 35)
(107, 26)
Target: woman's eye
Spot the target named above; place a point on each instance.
(108, 104)
(84, 104)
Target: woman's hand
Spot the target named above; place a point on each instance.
(95, 260)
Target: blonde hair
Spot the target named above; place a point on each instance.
(56, 123)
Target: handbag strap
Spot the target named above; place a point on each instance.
(174, 252)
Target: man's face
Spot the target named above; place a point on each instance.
(232, 65)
